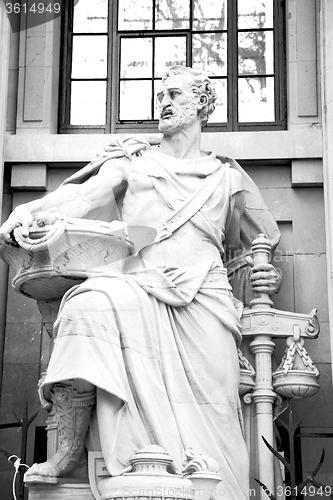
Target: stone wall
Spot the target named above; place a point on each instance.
(287, 165)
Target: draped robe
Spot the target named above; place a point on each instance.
(163, 340)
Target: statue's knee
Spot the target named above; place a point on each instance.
(86, 302)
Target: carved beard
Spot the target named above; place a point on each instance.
(182, 118)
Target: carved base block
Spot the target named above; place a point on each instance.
(60, 491)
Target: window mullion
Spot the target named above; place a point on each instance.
(114, 92)
(109, 81)
(189, 49)
(153, 78)
(189, 36)
(68, 60)
(232, 65)
(279, 62)
(154, 14)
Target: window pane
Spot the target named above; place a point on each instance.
(154, 35)
(88, 103)
(136, 56)
(254, 14)
(210, 53)
(89, 56)
(210, 15)
(135, 100)
(90, 17)
(172, 14)
(255, 53)
(221, 105)
(256, 99)
(135, 15)
(169, 51)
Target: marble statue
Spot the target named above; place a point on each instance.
(148, 355)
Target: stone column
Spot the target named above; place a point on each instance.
(263, 395)
(326, 46)
(4, 64)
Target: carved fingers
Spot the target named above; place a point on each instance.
(265, 279)
(22, 218)
(45, 218)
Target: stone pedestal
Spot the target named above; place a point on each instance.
(147, 476)
(60, 491)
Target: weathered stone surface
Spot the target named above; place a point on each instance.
(307, 173)
(60, 492)
(29, 177)
(306, 143)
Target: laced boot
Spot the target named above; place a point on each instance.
(73, 412)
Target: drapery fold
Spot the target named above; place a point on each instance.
(169, 357)
(160, 344)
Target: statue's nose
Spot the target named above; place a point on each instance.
(165, 101)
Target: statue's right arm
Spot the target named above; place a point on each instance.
(73, 200)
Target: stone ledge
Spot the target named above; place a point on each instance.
(60, 491)
(74, 148)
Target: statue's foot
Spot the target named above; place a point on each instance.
(57, 466)
(72, 413)
(44, 473)
(45, 469)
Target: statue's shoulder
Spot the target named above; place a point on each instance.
(236, 172)
(228, 160)
(115, 164)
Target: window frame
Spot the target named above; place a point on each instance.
(113, 125)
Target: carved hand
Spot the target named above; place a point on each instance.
(265, 278)
(18, 218)
(45, 218)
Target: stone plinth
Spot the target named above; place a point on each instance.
(60, 491)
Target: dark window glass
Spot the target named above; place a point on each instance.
(115, 53)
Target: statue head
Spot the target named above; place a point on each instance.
(201, 86)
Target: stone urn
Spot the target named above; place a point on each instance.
(148, 478)
(297, 376)
(203, 473)
(296, 384)
(247, 375)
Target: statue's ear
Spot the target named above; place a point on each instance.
(203, 100)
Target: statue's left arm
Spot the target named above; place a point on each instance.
(261, 278)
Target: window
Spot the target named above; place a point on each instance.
(115, 52)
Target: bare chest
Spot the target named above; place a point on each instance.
(184, 185)
(138, 182)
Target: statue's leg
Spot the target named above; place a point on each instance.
(73, 401)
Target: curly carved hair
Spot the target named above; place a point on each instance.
(202, 84)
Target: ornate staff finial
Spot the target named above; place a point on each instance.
(261, 253)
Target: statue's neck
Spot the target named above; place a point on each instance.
(182, 144)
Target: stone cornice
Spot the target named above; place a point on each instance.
(280, 145)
